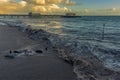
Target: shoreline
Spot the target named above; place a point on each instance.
(43, 66)
(87, 62)
(92, 67)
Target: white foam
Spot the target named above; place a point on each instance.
(3, 24)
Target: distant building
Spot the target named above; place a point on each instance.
(70, 14)
(30, 14)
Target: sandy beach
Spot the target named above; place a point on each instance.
(45, 66)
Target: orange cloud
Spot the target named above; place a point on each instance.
(54, 1)
(43, 6)
(43, 2)
(36, 2)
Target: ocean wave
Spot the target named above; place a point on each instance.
(89, 58)
(3, 24)
(80, 53)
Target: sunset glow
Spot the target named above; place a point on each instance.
(80, 7)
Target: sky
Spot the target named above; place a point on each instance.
(80, 7)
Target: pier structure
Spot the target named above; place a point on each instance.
(35, 15)
(29, 15)
(13, 16)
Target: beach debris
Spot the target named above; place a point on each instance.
(10, 52)
(45, 38)
(46, 48)
(16, 53)
(39, 51)
(9, 56)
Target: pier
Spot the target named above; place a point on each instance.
(5, 16)
(13, 16)
(36, 15)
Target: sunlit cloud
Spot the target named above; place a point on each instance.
(4, 0)
(109, 11)
(68, 2)
(42, 6)
(52, 7)
(46, 2)
(23, 3)
(86, 11)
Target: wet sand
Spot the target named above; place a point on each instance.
(43, 67)
(11, 38)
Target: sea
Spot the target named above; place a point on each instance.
(84, 27)
(102, 33)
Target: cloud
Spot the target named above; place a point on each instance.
(47, 2)
(49, 6)
(54, 1)
(68, 2)
(109, 11)
(42, 6)
(39, 9)
(4, 0)
(7, 6)
(23, 3)
(36, 2)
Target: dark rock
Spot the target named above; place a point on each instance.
(92, 78)
(106, 72)
(39, 51)
(9, 56)
(46, 49)
(45, 38)
(16, 51)
(117, 79)
(10, 52)
(103, 51)
(53, 47)
(69, 60)
(114, 52)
